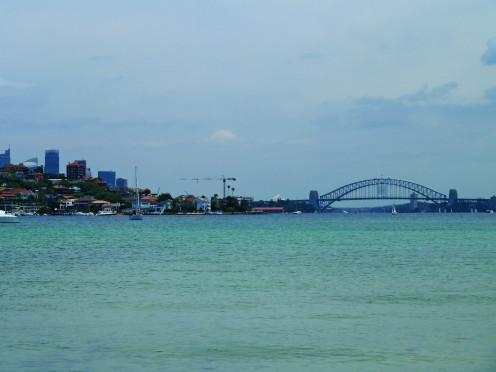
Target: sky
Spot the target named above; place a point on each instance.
(284, 96)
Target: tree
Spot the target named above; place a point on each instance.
(164, 196)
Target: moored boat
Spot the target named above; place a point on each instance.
(106, 211)
(136, 216)
(6, 217)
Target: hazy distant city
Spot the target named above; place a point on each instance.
(69, 192)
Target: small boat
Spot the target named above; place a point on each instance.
(297, 212)
(106, 211)
(215, 213)
(6, 217)
(84, 214)
(393, 211)
(136, 216)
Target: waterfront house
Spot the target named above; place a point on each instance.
(67, 202)
(201, 204)
(84, 202)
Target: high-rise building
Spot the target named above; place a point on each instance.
(5, 157)
(51, 161)
(121, 183)
(76, 171)
(108, 177)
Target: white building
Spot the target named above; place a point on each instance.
(201, 204)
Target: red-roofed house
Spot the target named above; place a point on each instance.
(23, 193)
(61, 189)
(67, 202)
(20, 170)
(8, 196)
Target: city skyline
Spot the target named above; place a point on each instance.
(286, 98)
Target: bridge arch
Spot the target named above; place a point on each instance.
(379, 188)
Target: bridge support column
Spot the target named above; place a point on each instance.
(313, 199)
(413, 201)
(453, 197)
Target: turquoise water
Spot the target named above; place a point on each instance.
(288, 292)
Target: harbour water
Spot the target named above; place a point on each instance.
(356, 292)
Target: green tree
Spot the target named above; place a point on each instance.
(165, 196)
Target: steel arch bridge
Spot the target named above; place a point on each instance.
(380, 188)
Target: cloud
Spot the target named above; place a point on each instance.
(424, 95)
(222, 135)
(489, 56)
(422, 109)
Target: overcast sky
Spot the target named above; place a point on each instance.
(286, 96)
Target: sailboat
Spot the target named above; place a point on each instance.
(393, 211)
(137, 215)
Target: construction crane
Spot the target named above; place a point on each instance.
(191, 179)
(224, 179)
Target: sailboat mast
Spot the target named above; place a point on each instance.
(137, 190)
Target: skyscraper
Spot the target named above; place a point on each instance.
(107, 176)
(51, 161)
(121, 183)
(5, 157)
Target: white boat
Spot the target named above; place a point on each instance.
(6, 217)
(106, 211)
(137, 215)
(84, 214)
(393, 211)
(297, 212)
(214, 212)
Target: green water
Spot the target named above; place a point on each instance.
(287, 292)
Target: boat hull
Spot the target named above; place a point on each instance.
(8, 218)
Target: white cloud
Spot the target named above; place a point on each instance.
(223, 135)
(489, 56)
